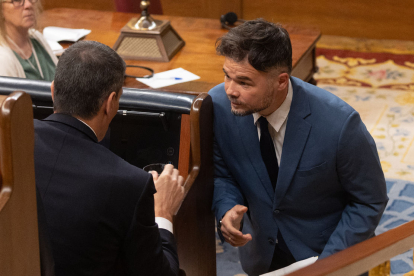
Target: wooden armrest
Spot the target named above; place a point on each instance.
(7, 104)
(195, 143)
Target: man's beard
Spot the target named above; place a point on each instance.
(265, 103)
(245, 112)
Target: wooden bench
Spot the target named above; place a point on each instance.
(19, 240)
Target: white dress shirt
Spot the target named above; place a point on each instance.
(164, 223)
(88, 126)
(277, 123)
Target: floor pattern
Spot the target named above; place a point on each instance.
(380, 86)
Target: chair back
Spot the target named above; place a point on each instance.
(19, 240)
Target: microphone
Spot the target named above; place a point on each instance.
(229, 19)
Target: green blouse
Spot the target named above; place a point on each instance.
(45, 61)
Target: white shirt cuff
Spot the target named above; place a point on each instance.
(164, 223)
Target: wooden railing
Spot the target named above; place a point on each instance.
(19, 239)
(362, 257)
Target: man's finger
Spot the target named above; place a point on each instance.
(224, 232)
(226, 236)
(154, 175)
(230, 228)
(243, 238)
(237, 242)
(234, 232)
(180, 180)
(175, 174)
(241, 210)
(168, 168)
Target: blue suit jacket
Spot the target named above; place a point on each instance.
(330, 191)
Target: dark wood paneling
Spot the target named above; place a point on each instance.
(102, 5)
(381, 19)
(201, 8)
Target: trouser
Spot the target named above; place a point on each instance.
(281, 256)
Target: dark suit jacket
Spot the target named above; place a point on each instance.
(47, 264)
(99, 208)
(330, 191)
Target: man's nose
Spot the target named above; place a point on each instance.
(231, 89)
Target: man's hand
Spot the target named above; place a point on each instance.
(230, 225)
(170, 192)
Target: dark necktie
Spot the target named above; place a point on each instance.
(267, 149)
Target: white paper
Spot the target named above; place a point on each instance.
(64, 34)
(292, 267)
(56, 47)
(169, 77)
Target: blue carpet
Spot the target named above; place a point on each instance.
(227, 258)
(399, 210)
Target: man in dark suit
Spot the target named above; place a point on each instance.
(297, 174)
(101, 212)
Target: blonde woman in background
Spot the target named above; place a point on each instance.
(24, 53)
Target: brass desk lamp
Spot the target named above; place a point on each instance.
(145, 38)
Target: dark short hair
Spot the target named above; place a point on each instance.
(86, 74)
(266, 45)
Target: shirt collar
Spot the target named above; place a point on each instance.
(278, 117)
(88, 126)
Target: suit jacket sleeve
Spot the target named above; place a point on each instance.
(47, 263)
(360, 174)
(160, 252)
(227, 192)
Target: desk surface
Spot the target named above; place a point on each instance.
(197, 56)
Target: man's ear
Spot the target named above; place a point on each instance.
(52, 90)
(283, 81)
(111, 104)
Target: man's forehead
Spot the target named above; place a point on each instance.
(241, 69)
(233, 65)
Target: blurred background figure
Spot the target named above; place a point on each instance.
(24, 52)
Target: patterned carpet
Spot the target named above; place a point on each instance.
(377, 79)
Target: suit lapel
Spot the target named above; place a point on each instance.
(297, 132)
(249, 136)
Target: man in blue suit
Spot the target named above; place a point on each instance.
(297, 174)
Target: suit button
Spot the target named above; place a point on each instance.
(277, 211)
(271, 241)
(277, 241)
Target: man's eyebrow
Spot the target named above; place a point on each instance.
(239, 77)
(243, 78)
